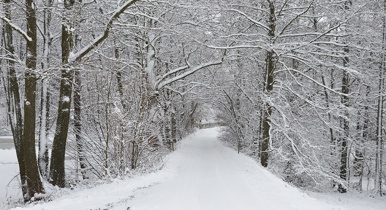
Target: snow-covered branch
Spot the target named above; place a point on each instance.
(168, 74)
(296, 18)
(161, 83)
(16, 28)
(85, 50)
(195, 85)
(249, 18)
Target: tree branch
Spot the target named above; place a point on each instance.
(161, 84)
(169, 73)
(16, 28)
(85, 50)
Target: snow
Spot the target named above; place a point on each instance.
(9, 169)
(66, 99)
(204, 174)
(352, 200)
(212, 176)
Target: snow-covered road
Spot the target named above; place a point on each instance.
(210, 176)
(201, 175)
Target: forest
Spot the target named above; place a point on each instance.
(104, 88)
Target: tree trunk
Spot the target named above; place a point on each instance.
(331, 131)
(167, 130)
(78, 114)
(359, 160)
(119, 80)
(264, 154)
(14, 108)
(43, 158)
(57, 171)
(345, 122)
(346, 130)
(379, 144)
(122, 142)
(34, 184)
(173, 124)
(78, 124)
(268, 87)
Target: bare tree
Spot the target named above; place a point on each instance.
(13, 95)
(69, 60)
(27, 152)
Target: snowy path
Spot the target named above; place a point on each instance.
(201, 175)
(213, 177)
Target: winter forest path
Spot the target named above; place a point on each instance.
(210, 176)
(201, 174)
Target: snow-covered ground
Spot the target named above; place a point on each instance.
(204, 174)
(9, 170)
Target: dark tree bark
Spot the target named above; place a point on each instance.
(13, 95)
(268, 87)
(57, 171)
(173, 125)
(32, 176)
(380, 110)
(346, 129)
(119, 81)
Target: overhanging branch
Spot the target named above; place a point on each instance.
(161, 84)
(85, 50)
